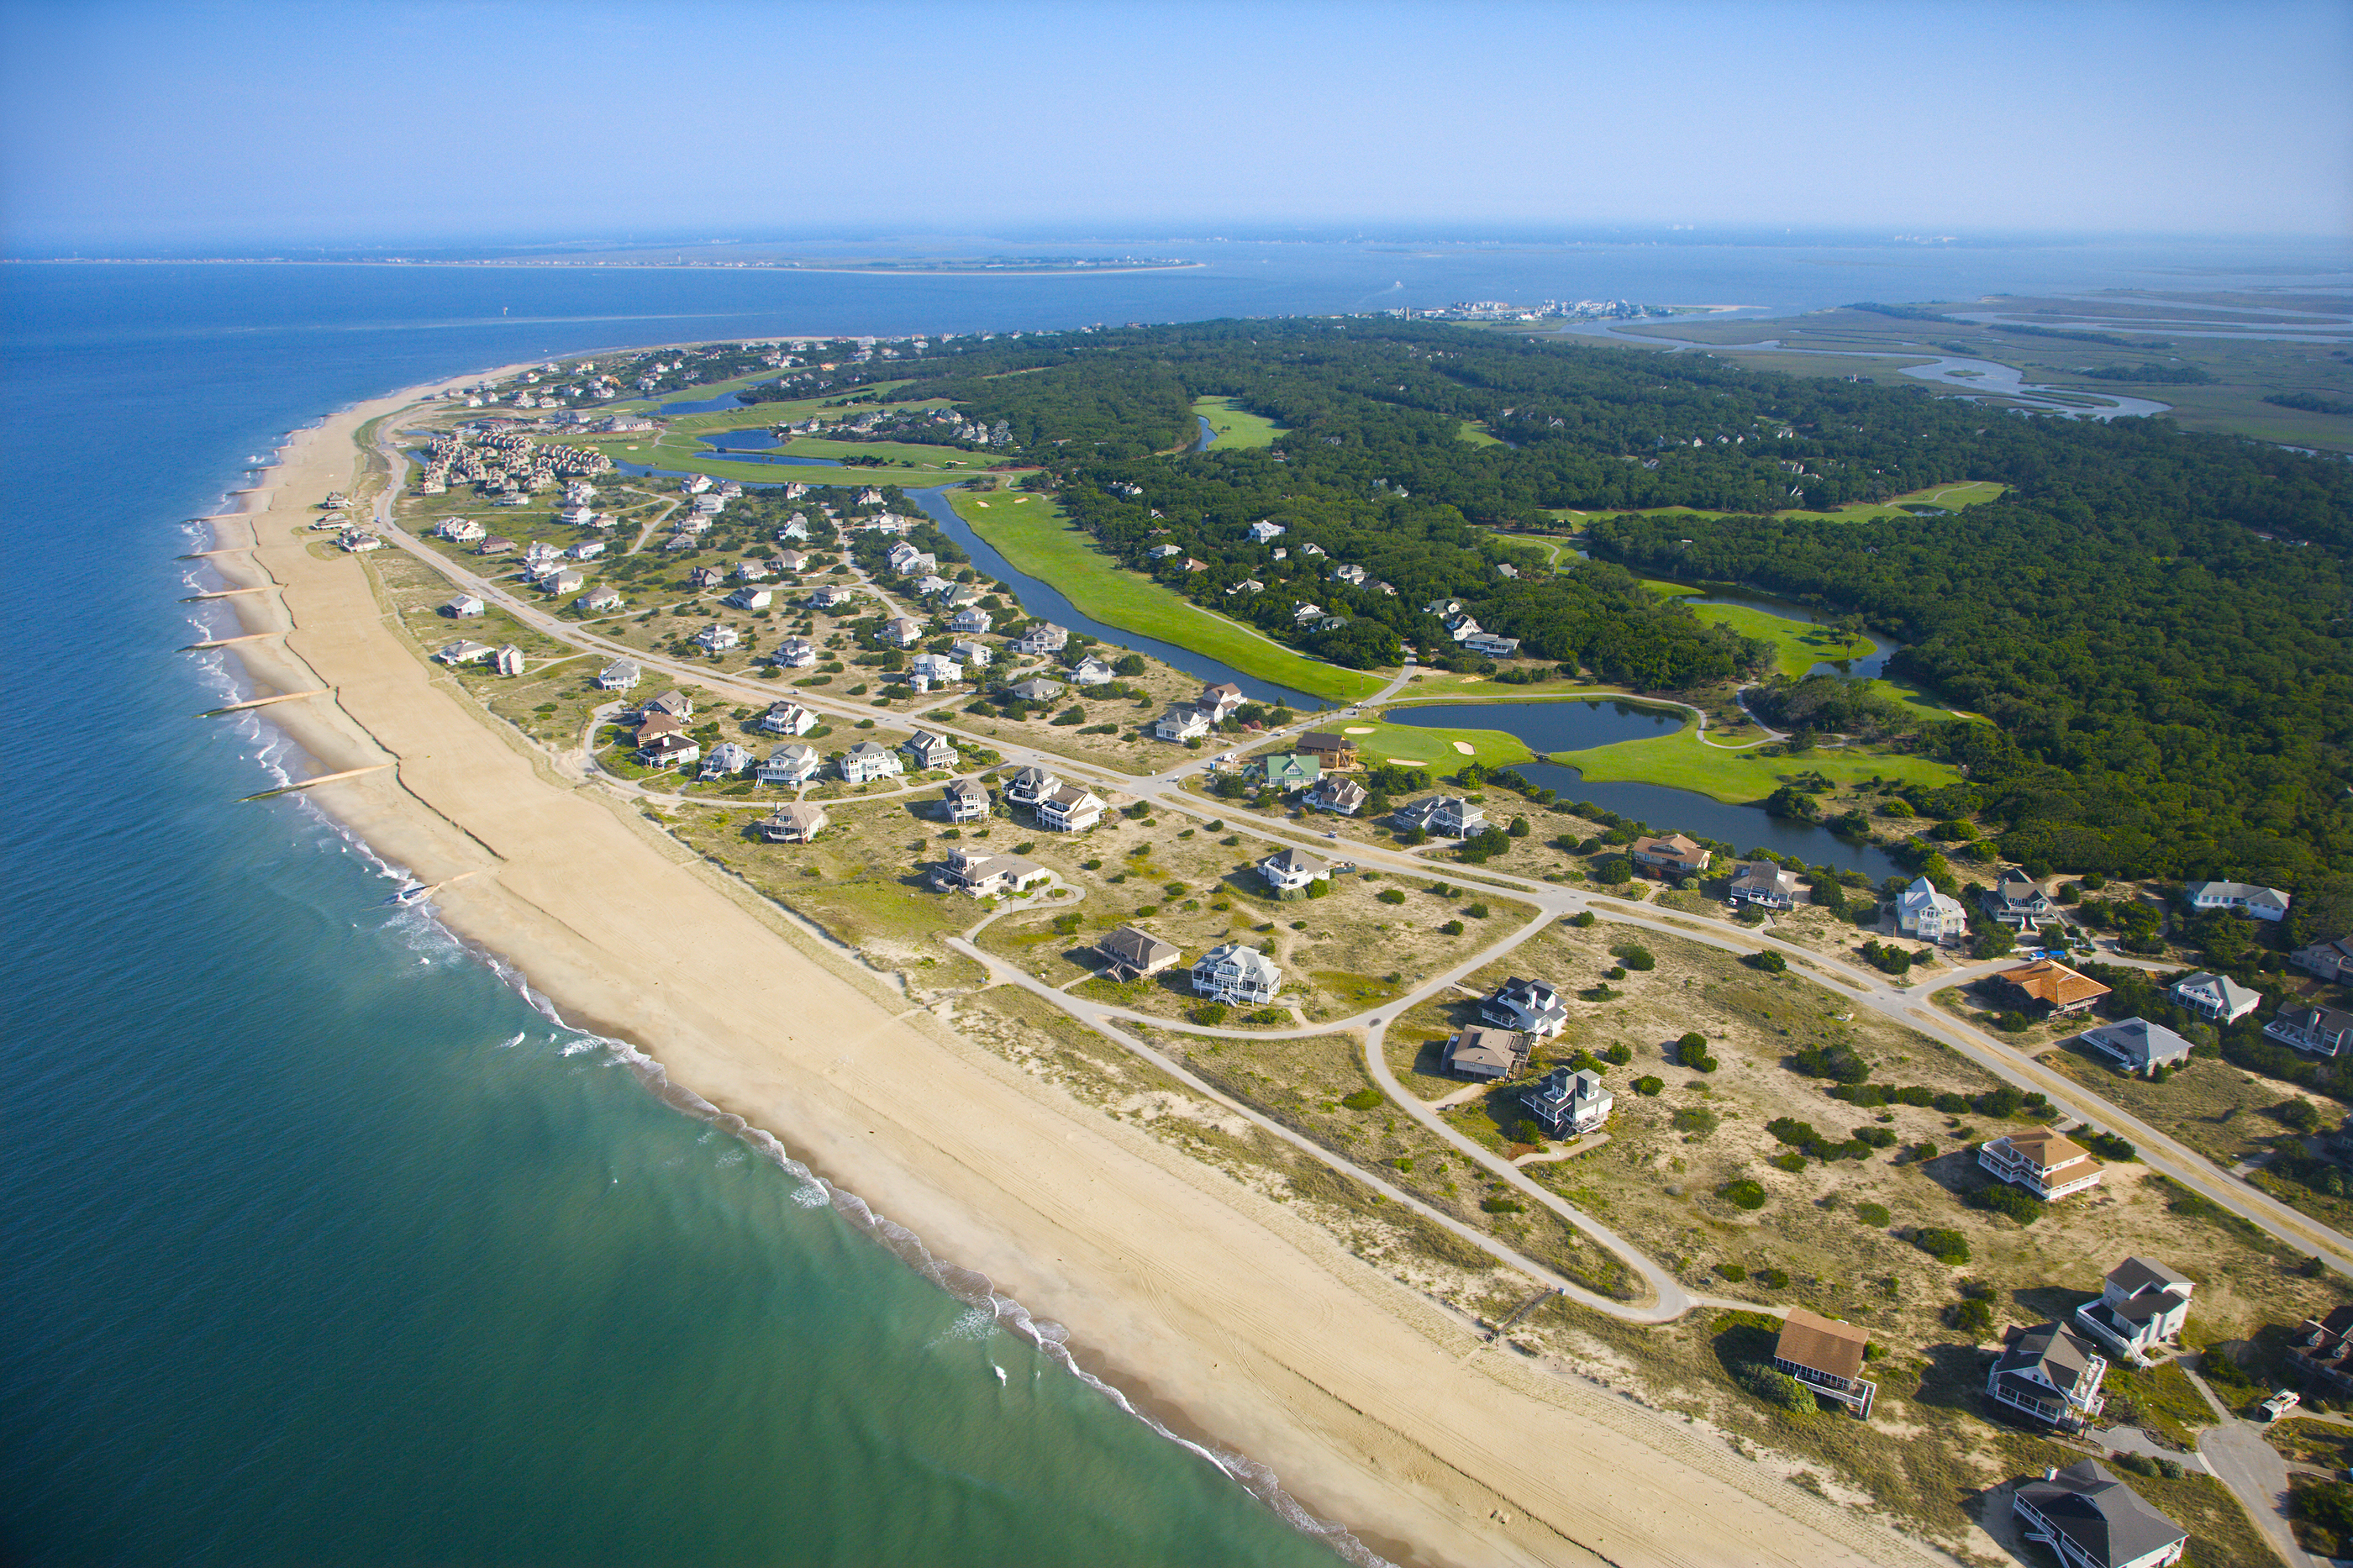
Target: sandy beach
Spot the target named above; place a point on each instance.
(1250, 1327)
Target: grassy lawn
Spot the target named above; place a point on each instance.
(1033, 536)
(1952, 497)
(1681, 762)
(1441, 751)
(1475, 432)
(1236, 425)
(1798, 646)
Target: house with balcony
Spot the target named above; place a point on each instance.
(1030, 786)
(1531, 1006)
(669, 751)
(1289, 873)
(2217, 998)
(2091, 1520)
(790, 764)
(965, 650)
(1567, 1104)
(1488, 1055)
(794, 653)
(795, 822)
(1329, 748)
(1181, 723)
(926, 750)
(971, 621)
(1332, 792)
(1441, 816)
(2263, 903)
(2049, 1374)
(787, 719)
(2327, 959)
(2047, 987)
(1929, 915)
(620, 675)
(870, 760)
(2141, 1308)
(2137, 1046)
(1765, 885)
(2048, 1163)
(1219, 702)
(1131, 954)
(2018, 900)
(749, 598)
(984, 875)
(964, 800)
(1045, 638)
(726, 759)
(2322, 1031)
(2322, 1348)
(900, 632)
(1827, 1356)
(1289, 771)
(1237, 975)
(1036, 691)
(1068, 809)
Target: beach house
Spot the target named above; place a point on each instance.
(2017, 901)
(795, 822)
(2327, 959)
(1045, 638)
(1670, 859)
(1068, 809)
(900, 632)
(1036, 691)
(602, 599)
(1238, 976)
(1030, 786)
(2217, 998)
(790, 764)
(1439, 816)
(749, 598)
(2142, 1306)
(2308, 1027)
(2264, 903)
(1091, 671)
(463, 651)
(669, 751)
(1828, 1357)
(794, 653)
(964, 800)
(717, 638)
(868, 761)
(1131, 954)
(1219, 702)
(1929, 915)
(2049, 1374)
(968, 651)
(2091, 1520)
(1567, 1104)
(1765, 885)
(2048, 1163)
(463, 606)
(1332, 751)
(2322, 1347)
(1487, 1055)
(1181, 723)
(508, 660)
(1332, 792)
(2137, 1046)
(1286, 771)
(981, 876)
(726, 759)
(2047, 986)
(1290, 872)
(926, 750)
(1531, 1006)
(971, 621)
(787, 719)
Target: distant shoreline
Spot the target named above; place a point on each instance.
(1027, 270)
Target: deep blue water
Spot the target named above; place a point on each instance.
(321, 1243)
(1573, 726)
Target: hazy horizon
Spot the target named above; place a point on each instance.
(247, 126)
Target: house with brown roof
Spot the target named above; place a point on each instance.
(1827, 1356)
(795, 822)
(2049, 1374)
(1669, 858)
(1488, 1053)
(2048, 986)
(1131, 954)
(2048, 1163)
(1332, 751)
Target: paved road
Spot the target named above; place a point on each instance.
(1853, 982)
(2236, 1455)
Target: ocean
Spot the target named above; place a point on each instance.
(323, 1241)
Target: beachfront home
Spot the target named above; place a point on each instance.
(1288, 771)
(671, 750)
(2045, 1162)
(2327, 959)
(1531, 1006)
(459, 530)
(1929, 915)
(2047, 986)
(2217, 998)
(619, 675)
(703, 577)
(1765, 885)
(790, 764)
(1045, 638)
(1670, 859)
(1333, 793)
(787, 719)
(982, 874)
(2049, 1374)
(1828, 1357)
(726, 759)
(2324, 1031)
(1030, 786)
(794, 653)
(868, 761)
(795, 822)
(1487, 1055)
(1219, 701)
(1181, 723)
(749, 598)
(2264, 903)
(1567, 1104)
(508, 660)
(2142, 1306)
(2091, 1520)
(925, 750)
(1290, 872)
(1237, 975)
(1262, 532)
(830, 597)
(789, 562)
(2137, 1046)
(464, 652)
(717, 638)
(1131, 954)
(358, 541)
(1069, 809)
(2323, 1348)
(656, 724)
(464, 605)
(495, 544)
(566, 581)
(964, 800)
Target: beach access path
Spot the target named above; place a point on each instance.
(1224, 1312)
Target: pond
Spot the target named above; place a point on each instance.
(1043, 600)
(1573, 726)
(725, 400)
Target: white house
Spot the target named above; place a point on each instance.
(791, 764)
(1238, 976)
(463, 606)
(1044, 639)
(1441, 816)
(459, 530)
(2137, 1046)
(2264, 903)
(2217, 998)
(795, 822)
(870, 760)
(749, 598)
(606, 599)
(563, 582)
(2048, 1163)
(1030, 786)
(976, 654)
(972, 620)
(935, 668)
(726, 759)
(794, 653)
(1288, 871)
(2143, 1306)
(1181, 723)
(619, 675)
(964, 800)
(981, 875)
(587, 549)
(508, 660)
(925, 750)
(787, 719)
(1929, 915)
(670, 751)
(1262, 532)
(1091, 671)
(464, 652)
(1219, 702)
(2050, 1374)
(1069, 809)
(717, 638)
(900, 632)
(1530, 1006)
(1566, 1104)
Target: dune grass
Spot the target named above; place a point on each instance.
(1032, 534)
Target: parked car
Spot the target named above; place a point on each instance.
(2280, 1403)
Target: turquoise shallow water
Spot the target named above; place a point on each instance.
(319, 1243)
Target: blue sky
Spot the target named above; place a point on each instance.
(324, 124)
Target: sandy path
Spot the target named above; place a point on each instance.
(1224, 1311)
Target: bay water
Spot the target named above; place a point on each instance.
(323, 1241)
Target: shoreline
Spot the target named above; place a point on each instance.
(1226, 1320)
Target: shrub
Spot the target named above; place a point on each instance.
(1950, 1248)
(1875, 1215)
(1208, 1012)
(1697, 1120)
(1581, 919)
(1364, 1100)
(2107, 1146)
(1690, 1049)
(2015, 1202)
(1527, 1132)
(1635, 957)
(1391, 895)
(1618, 1055)
(1838, 1063)
(1320, 887)
(1791, 1162)
(1777, 1387)
(1733, 1271)
(1773, 1279)
(1647, 1085)
(1768, 961)
(1476, 911)
(1742, 1194)
(1874, 1137)
(1502, 1206)
(1972, 1316)
(2298, 1114)
(1451, 928)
